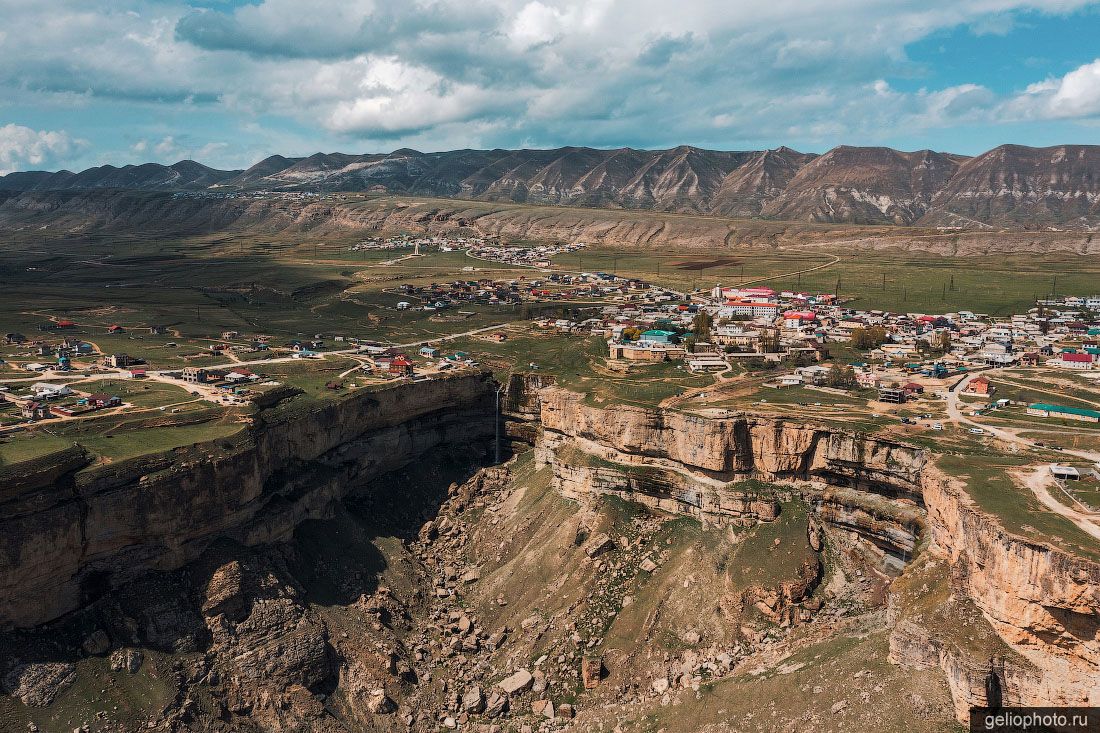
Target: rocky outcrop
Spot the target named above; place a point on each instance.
(1034, 609)
(715, 450)
(67, 541)
(1042, 601)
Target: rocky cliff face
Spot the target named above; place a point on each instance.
(75, 534)
(1041, 601)
(725, 448)
(1032, 608)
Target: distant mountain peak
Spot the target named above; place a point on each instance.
(1010, 185)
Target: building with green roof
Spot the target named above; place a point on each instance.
(1043, 409)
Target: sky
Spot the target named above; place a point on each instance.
(229, 82)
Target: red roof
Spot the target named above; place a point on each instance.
(65, 324)
(800, 315)
(400, 361)
(1079, 358)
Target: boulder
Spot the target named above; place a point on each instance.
(598, 545)
(521, 681)
(591, 671)
(473, 700)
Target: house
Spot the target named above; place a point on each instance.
(334, 385)
(135, 373)
(866, 379)
(708, 364)
(1064, 473)
(893, 395)
(195, 375)
(1043, 409)
(239, 375)
(498, 337)
(1076, 360)
(115, 328)
(49, 391)
(790, 380)
(645, 351)
(401, 365)
(658, 336)
(99, 400)
(429, 352)
(65, 323)
(980, 385)
(118, 361)
(14, 338)
(35, 411)
(912, 388)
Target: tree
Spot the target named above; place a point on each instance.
(942, 341)
(631, 333)
(869, 337)
(841, 375)
(769, 340)
(701, 325)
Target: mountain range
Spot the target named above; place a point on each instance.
(1011, 186)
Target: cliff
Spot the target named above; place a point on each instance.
(1032, 608)
(1043, 602)
(734, 446)
(76, 533)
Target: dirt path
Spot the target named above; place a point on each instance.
(955, 414)
(1039, 482)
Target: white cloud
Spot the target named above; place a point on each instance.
(21, 147)
(166, 147)
(1075, 95)
(438, 73)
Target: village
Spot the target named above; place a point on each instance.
(812, 354)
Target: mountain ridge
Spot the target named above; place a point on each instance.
(1008, 186)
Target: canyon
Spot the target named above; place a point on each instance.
(252, 573)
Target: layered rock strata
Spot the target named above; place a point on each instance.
(73, 533)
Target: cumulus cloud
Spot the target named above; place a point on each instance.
(1075, 95)
(21, 147)
(446, 73)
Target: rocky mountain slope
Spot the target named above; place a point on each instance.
(1010, 186)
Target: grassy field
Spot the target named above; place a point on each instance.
(988, 482)
(893, 281)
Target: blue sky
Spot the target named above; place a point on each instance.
(84, 82)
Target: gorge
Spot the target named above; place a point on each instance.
(255, 551)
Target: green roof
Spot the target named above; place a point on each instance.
(1063, 409)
